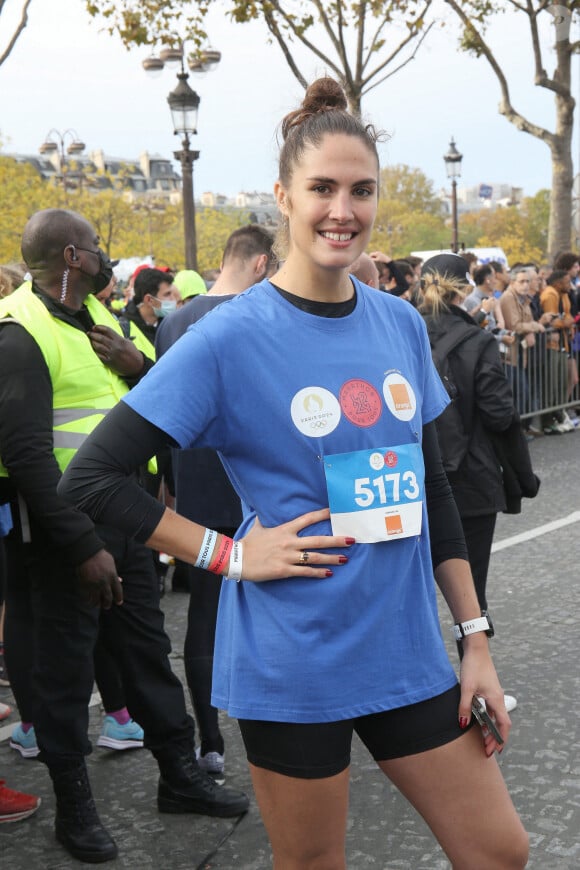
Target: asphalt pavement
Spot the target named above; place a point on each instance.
(533, 592)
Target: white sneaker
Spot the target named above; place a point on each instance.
(510, 702)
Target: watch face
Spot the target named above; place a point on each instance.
(491, 630)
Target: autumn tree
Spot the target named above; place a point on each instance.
(361, 43)
(475, 17)
(214, 227)
(410, 215)
(522, 231)
(9, 33)
(127, 226)
(23, 193)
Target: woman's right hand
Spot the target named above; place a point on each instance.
(275, 553)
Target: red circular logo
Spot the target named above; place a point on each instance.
(360, 402)
(391, 459)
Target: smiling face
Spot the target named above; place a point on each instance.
(330, 204)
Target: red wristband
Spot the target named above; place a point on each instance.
(222, 555)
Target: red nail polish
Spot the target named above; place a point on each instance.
(328, 573)
(342, 560)
(349, 541)
(463, 721)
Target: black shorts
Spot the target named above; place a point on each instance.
(318, 750)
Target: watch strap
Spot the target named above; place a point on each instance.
(472, 626)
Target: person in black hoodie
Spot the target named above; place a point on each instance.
(468, 359)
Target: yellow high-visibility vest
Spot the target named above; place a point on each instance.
(83, 388)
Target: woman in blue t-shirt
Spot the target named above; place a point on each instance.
(320, 396)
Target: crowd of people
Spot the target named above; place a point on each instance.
(337, 491)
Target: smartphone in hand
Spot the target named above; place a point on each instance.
(484, 719)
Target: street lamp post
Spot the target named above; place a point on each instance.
(184, 105)
(453, 166)
(50, 146)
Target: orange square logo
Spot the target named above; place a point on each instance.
(394, 524)
(400, 397)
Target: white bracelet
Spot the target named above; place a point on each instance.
(206, 550)
(236, 558)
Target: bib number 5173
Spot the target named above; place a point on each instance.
(387, 488)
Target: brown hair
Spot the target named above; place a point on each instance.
(439, 292)
(323, 111)
(247, 242)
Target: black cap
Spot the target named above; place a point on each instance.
(448, 266)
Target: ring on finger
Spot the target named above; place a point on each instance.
(303, 559)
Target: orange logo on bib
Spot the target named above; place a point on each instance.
(400, 397)
(394, 524)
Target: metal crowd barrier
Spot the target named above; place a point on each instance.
(545, 379)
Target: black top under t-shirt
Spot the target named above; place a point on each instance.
(321, 309)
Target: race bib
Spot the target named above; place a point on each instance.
(376, 495)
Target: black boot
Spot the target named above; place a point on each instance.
(184, 788)
(77, 825)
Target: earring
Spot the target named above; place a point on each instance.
(64, 287)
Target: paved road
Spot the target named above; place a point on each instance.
(533, 591)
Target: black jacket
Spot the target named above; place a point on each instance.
(485, 403)
(132, 314)
(519, 480)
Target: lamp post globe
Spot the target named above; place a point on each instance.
(55, 143)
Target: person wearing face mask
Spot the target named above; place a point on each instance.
(155, 296)
(64, 363)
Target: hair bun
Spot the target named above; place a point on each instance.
(323, 94)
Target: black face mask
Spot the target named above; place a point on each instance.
(105, 274)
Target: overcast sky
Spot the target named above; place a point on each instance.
(64, 74)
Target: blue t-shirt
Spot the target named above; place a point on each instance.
(278, 392)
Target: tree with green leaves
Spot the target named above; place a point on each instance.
(8, 40)
(475, 17)
(361, 43)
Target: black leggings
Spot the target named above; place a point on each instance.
(478, 533)
(108, 678)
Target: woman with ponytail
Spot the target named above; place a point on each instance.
(320, 396)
